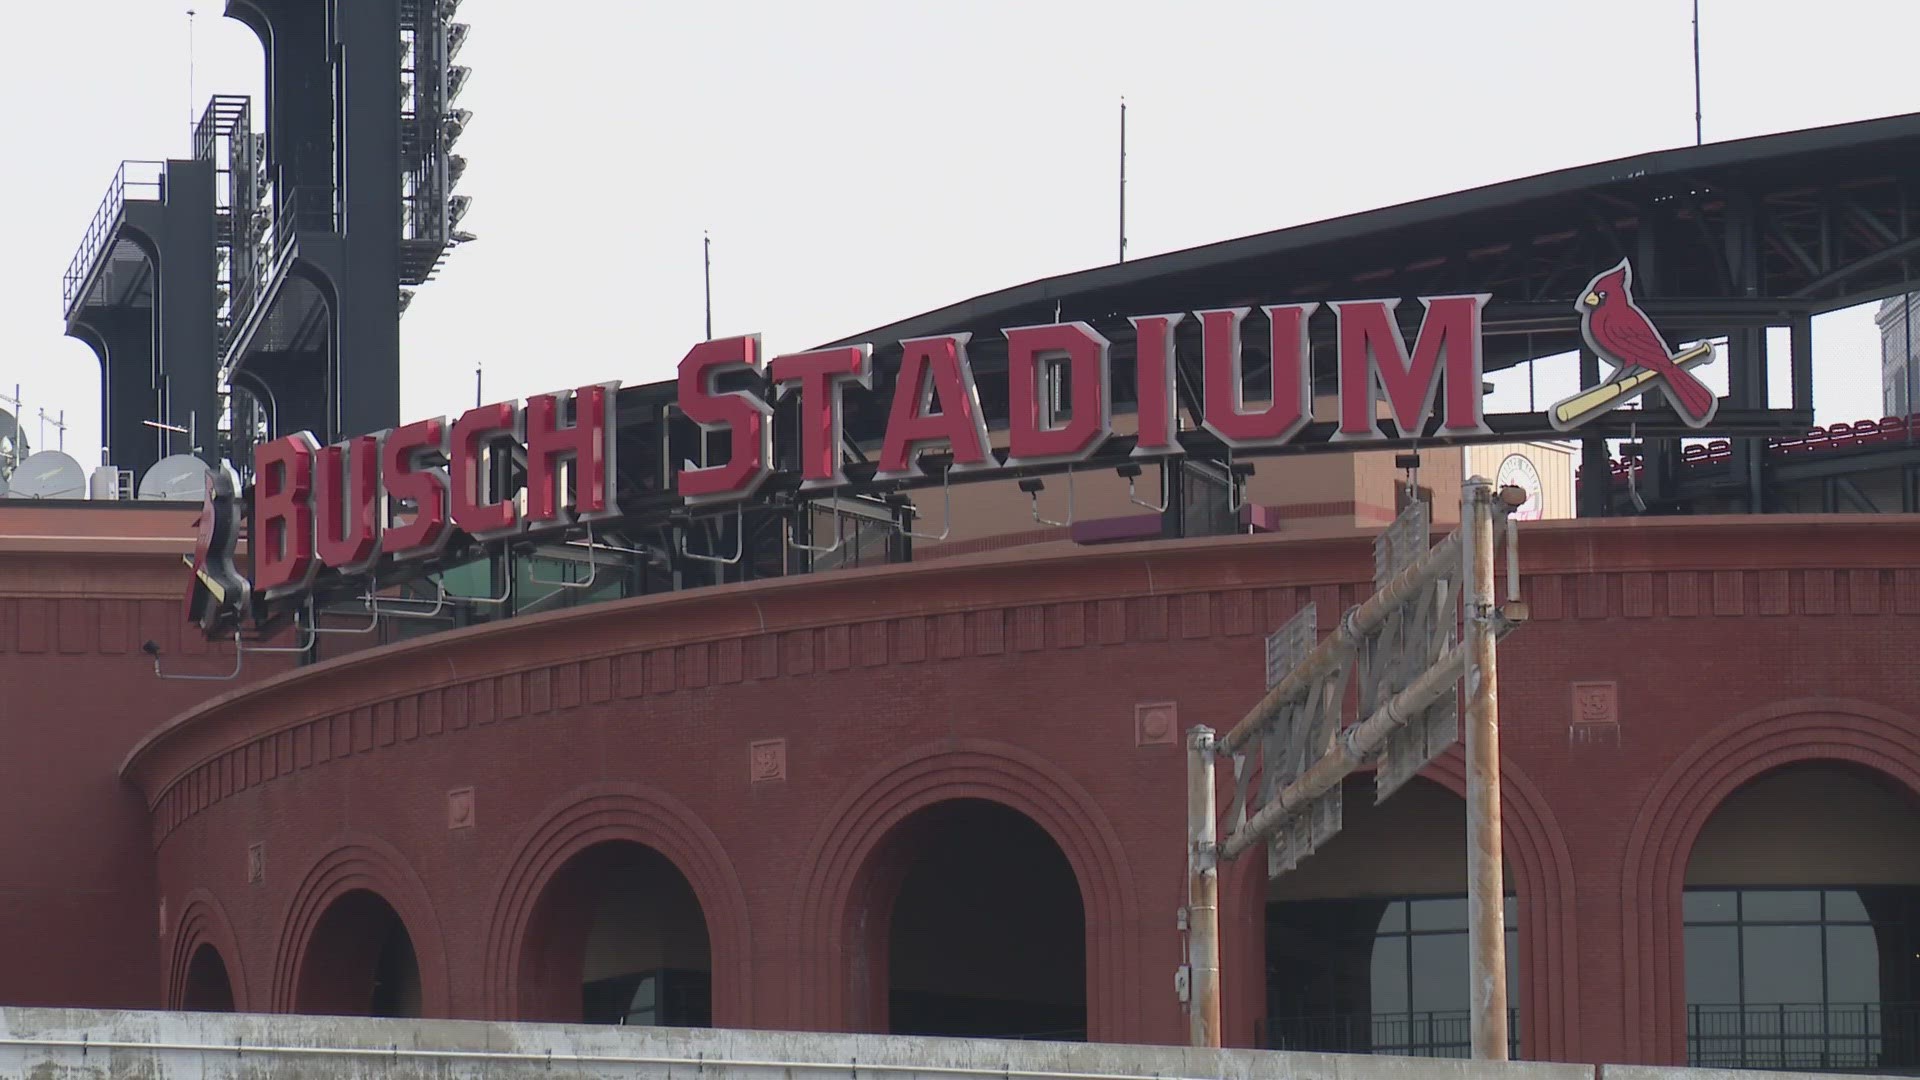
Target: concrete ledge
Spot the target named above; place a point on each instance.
(48, 1044)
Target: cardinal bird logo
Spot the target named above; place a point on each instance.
(1615, 328)
(218, 592)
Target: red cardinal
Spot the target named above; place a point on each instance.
(1617, 329)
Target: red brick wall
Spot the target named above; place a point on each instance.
(80, 590)
(1669, 661)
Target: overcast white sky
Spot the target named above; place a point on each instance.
(862, 161)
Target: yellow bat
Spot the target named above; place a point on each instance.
(219, 592)
(1589, 403)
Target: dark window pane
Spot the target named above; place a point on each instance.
(1439, 978)
(1447, 914)
(1708, 905)
(1782, 964)
(1713, 965)
(1853, 965)
(1389, 986)
(1767, 905)
(1844, 905)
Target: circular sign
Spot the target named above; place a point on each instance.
(1518, 470)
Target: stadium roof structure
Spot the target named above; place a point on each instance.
(1750, 232)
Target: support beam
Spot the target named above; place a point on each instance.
(1486, 887)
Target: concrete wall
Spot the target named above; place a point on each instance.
(53, 1045)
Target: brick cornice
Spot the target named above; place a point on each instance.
(1011, 602)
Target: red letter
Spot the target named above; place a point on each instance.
(821, 379)
(282, 533)
(1157, 410)
(476, 440)
(1291, 406)
(1374, 355)
(745, 414)
(588, 443)
(958, 423)
(412, 482)
(346, 484)
(1034, 434)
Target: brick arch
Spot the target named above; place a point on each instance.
(826, 975)
(377, 867)
(633, 813)
(204, 922)
(1536, 851)
(1677, 808)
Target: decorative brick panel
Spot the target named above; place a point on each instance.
(34, 631)
(407, 718)
(872, 647)
(798, 647)
(1906, 592)
(1236, 612)
(1029, 629)
(990, 632)
(1863, 592)
(1596, 715)
(460, 808)
(1729, 592)
(256, 867)
(661, 677)
(1156, 723)
(729, 662)
(1545, 596)
(1593, 595)
(837, 647)
(597, 681)
(1111, 616)
(766, 761)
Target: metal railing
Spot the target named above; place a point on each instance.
(1447, 1034)
(137, 177)
(1840, 1037)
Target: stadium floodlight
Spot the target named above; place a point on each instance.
(456, 168)
(456, 38)
(457, 208)
(455, 124)
(457, 80)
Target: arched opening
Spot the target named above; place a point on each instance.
(618, 937)
(1802, 925)
(975, 916)
(359, 962)
(207, 988)
(1366, 940)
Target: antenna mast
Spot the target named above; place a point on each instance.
(1123, 179)
(706, 272)
(1696, 73)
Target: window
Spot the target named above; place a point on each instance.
(1801, 979)
(1384, 976)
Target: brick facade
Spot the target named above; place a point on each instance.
(1669, 661)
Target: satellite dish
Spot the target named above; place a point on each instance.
(175, 478)
(48, 474)
(13, 444)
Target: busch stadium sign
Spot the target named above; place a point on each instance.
(376, 501)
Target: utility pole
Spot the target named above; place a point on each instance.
(1123, 179)
(1486, 891)
(1203, 893)
(1403, 639)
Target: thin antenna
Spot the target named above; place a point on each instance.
(1123, 179)
(706, 270)
(478, 395)
(1696, 73)
(190, 52)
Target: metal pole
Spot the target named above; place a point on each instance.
(1906, 375)
(1203, 893)
(706, 272)
(1486, 891)
(1123, 179)
(479, 395)
(1696, 73)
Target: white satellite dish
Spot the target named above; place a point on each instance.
(48, 474)
(13, 443)
(175, 478)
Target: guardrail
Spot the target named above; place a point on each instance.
(131, 176)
